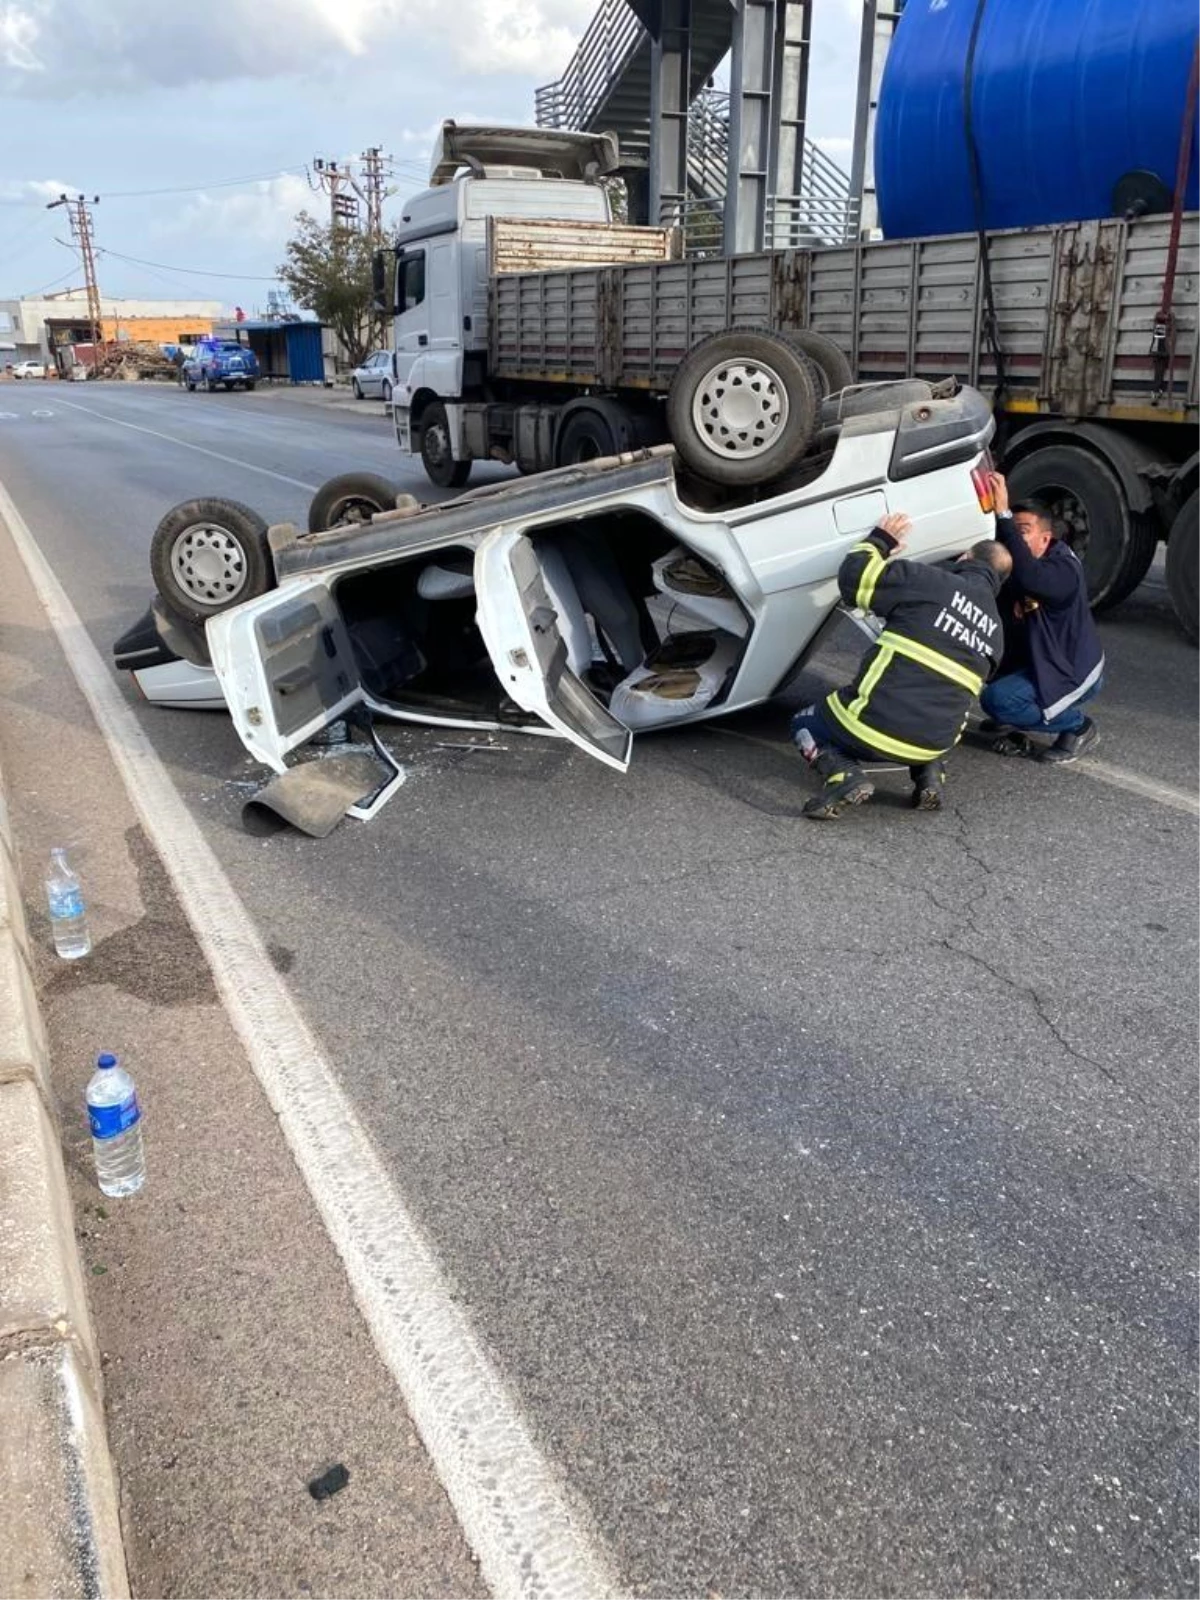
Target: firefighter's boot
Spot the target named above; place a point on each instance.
(928, 782)
(845, 785)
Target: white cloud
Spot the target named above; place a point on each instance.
(261, 215)
(18, 35)
(78, 46)
(25, 190)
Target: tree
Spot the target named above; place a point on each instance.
(328, 271)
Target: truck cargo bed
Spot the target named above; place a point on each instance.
(1076, 306)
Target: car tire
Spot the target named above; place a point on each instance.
(585, 436)
(832, 363)
(357, 387)
(440, 466)
(349, 498)
(1183, 565)
(209, 555)
(1088, 504)
(385, 393)
(742, 407)
(250, 382)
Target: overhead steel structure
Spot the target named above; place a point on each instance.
(738, 172)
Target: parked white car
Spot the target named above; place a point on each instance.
(375, 378)
(29, 369)
(594, 600)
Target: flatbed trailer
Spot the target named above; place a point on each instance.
(1079, 358)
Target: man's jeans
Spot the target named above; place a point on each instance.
(1013, 700)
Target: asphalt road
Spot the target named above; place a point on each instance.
(827, 1194)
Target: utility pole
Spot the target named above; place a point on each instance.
(335, 180)
(373, 190)
(79, 212)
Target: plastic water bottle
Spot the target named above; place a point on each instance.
(116, 1123)
(68, 914)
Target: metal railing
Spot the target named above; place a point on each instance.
(701, 222)
(825, 209)
(708, 143)
(612, 39)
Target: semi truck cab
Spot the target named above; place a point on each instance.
(434, 282)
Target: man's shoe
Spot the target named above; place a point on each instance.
(992, 729)
(1070, 746)
(928, 783)
(1013, 743)
(847, 786)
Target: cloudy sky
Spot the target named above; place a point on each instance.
(194, 120)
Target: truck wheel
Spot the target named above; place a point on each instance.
(352, 497)
(440, 466)
(586, 436)
(742, 407)
(208, 555)
(830, 361)
(1085, 498)
(1183, 565)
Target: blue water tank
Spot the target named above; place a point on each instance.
(1068, 96)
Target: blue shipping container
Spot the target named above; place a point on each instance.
(1068, 97)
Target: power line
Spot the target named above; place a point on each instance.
(201, 188)
(191, 188)
(54, 282)
(195, 272)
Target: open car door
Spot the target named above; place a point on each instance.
(287, 670)
(520, 628)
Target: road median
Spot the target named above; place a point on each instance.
(59, 1524)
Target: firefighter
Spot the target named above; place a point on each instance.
(910, 699)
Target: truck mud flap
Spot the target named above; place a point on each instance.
(316, 794)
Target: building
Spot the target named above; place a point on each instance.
(33, 327)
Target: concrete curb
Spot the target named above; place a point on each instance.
(60, 1531)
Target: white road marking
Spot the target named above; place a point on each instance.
(1164, 794)
(233, 461)
(514, 1512)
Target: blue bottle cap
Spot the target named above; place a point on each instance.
(106, 1060)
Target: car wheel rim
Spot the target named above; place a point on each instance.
(740, 408)
(208, 564)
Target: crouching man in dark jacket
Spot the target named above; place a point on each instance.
(1053, 663)
(910, 699)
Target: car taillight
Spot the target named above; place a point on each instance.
(983, 488)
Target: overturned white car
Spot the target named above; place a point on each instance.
(594, 601)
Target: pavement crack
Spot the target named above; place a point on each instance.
(1042, 1012)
